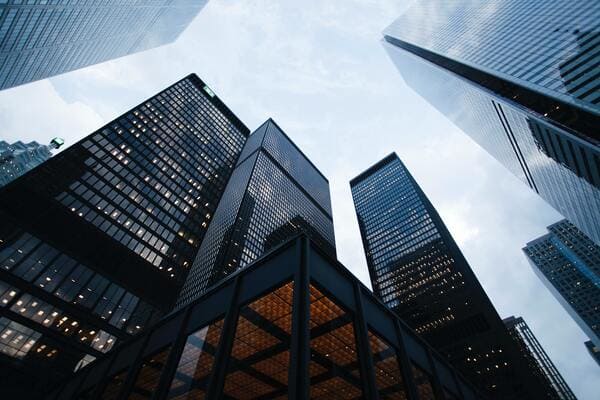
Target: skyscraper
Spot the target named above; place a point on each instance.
(537, 359)
(593, 350)
(417, 269)
(274, 193)
(568, 263)
(522, 80)
(294, 324)
(41, 39)
(18, 158)
(96, 242)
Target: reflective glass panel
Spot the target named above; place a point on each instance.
(423, 382)
(114, 386)
(388, 376)
(334, 368)
(196, 363)
(149, 375)
(258, 366)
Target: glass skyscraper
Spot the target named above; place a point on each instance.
(538, 360)
(522, 80)
(96, 242)
(417, 269)
(274, 193)
(568, 263)
(18, 158)
(43, 38)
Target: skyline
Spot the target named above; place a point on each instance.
(311, 87)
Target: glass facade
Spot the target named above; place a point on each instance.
(538, 359)
(593, 350)
(418, 271)
(18, 158)
(43, 38)
(96, 242)
(274, 193)
(568, 263)
(527, 93)
(287, 326)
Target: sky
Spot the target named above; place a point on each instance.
(319, 70)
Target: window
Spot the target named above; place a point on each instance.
(334, 368)
(423, 382)
(149, 375)
(388, 377)
(259, 360)
(196, 363)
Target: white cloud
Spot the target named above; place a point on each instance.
(36, 112)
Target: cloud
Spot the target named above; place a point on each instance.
(37, 112)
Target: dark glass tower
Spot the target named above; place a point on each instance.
(417, 270)
(593, 350)
(275, 193)
(522, 80)
(18, 158)
(96, 242)
(538, 360)
(40, 39)
(568, 263)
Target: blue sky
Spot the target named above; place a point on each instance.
(319, 69)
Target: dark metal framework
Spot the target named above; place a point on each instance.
(295, 324)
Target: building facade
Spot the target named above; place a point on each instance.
(593, 350)
(274, 193)
(537, 358)
(417, 269)
(294, 324)
(40, 39)
(568, 263)
(96, 242)
(528, 93)
(18, 158)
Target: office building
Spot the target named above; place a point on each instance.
(96, 242)
(537, 359)
(40, 39)
(522, 80)
(568, 263)
(594, 351)
(417, 269)
(18, 158)
(274, 193)
(294, 324)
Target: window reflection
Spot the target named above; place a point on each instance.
(259, 361)
(196, 363)
(334, 368)
(388, 377)
(149, 375)
(114, 386)
(423, 382)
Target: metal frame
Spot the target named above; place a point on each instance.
(300, 262)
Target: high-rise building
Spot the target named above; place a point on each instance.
(40, 39)
(522, 80)
(18, 158)
(275, 192)
(593, 350)
(96, 242)
(537, 359)
(294, 324)
(417, 270)
(568, 263)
